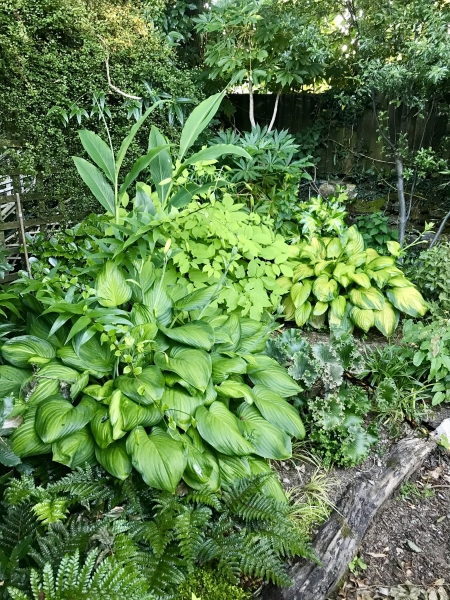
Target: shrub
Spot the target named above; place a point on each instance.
(337, 280)
(205, 584)
(374, 228)
(430, 272)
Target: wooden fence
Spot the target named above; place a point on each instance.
(14, 226)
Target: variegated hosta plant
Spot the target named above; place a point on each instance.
(131, 372)
(337, 280)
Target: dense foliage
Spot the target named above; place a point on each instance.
(71, 40)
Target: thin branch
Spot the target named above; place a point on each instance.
(383, 135)
(113, 87)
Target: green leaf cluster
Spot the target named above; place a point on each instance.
(337, 280)
(134, 372)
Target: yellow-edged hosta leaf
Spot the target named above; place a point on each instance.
(300, 293)
(381, 277)
(112, 287)
(400, 281)
(285, 282)
(338, 306)
(408, 300)
(342, 273)
(364, 319)
(320, 308)
(381, 262)
(355, 242)
(369, 298)
(325, 289)
(371, 255)
(289, 308)
(302, 272)
(302, 313)
(361, 279)
(321, 267)
(334, 248)
(386, 319)
(357, 259)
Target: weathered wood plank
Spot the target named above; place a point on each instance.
(338, 539)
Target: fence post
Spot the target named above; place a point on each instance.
(22, 233)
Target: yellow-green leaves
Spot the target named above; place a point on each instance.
(112, 288)
(408, 300)
(325, 289)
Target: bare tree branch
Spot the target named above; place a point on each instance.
(113, 87)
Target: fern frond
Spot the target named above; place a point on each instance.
(204, 496)
(246, 500)
(190, 532)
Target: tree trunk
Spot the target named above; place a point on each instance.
(251, 113)
(275, 110)
(338, 539)
(401, 199)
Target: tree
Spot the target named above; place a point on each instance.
(264, 45)
(401, 61)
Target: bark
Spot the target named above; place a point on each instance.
(251, 100)
(275, 110)
(440, 230)
(338, 539)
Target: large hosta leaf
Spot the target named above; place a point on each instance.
(337, 307)
(408, 300)
(235, 389)
(219, 427)
(12, 379)
(269, 441)
(115, 459)
(196, 300)
(55, 370)
(57, 417)
(25, 441)
(277, 411)
(199, 466)
(386, 319)
(325, 289)
(267, 372)
(180, 406)
(364, 319)
(157, 457)
(25, 349)
(369, 298)
(101, 427)
(145, 388)
(228, 336)
(300, 293)
(361, 279)
(196, 334)
(222, 367)
(75, 450)
(194, 366)
(125, 414)
(94, 354)
(44, 389)
(233, 468)
(112, 287)
(272, 487)
(302, 313)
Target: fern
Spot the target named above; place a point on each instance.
(190, 532)
(89, 581)
(51, 511)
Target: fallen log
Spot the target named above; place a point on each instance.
(338, 539)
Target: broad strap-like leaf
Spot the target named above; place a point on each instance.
(101, 427)
(215, 152)
(219, 427)
(197, 299)
(197, 121)
(180, 406)
(161, 165)
(99, 152)
(140, 164)
(96, 182)
(157, 457)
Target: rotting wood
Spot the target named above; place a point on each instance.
(339, 538)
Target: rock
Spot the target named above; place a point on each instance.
(326, 189)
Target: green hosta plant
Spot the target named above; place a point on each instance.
(337, 280)
(133, 372)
